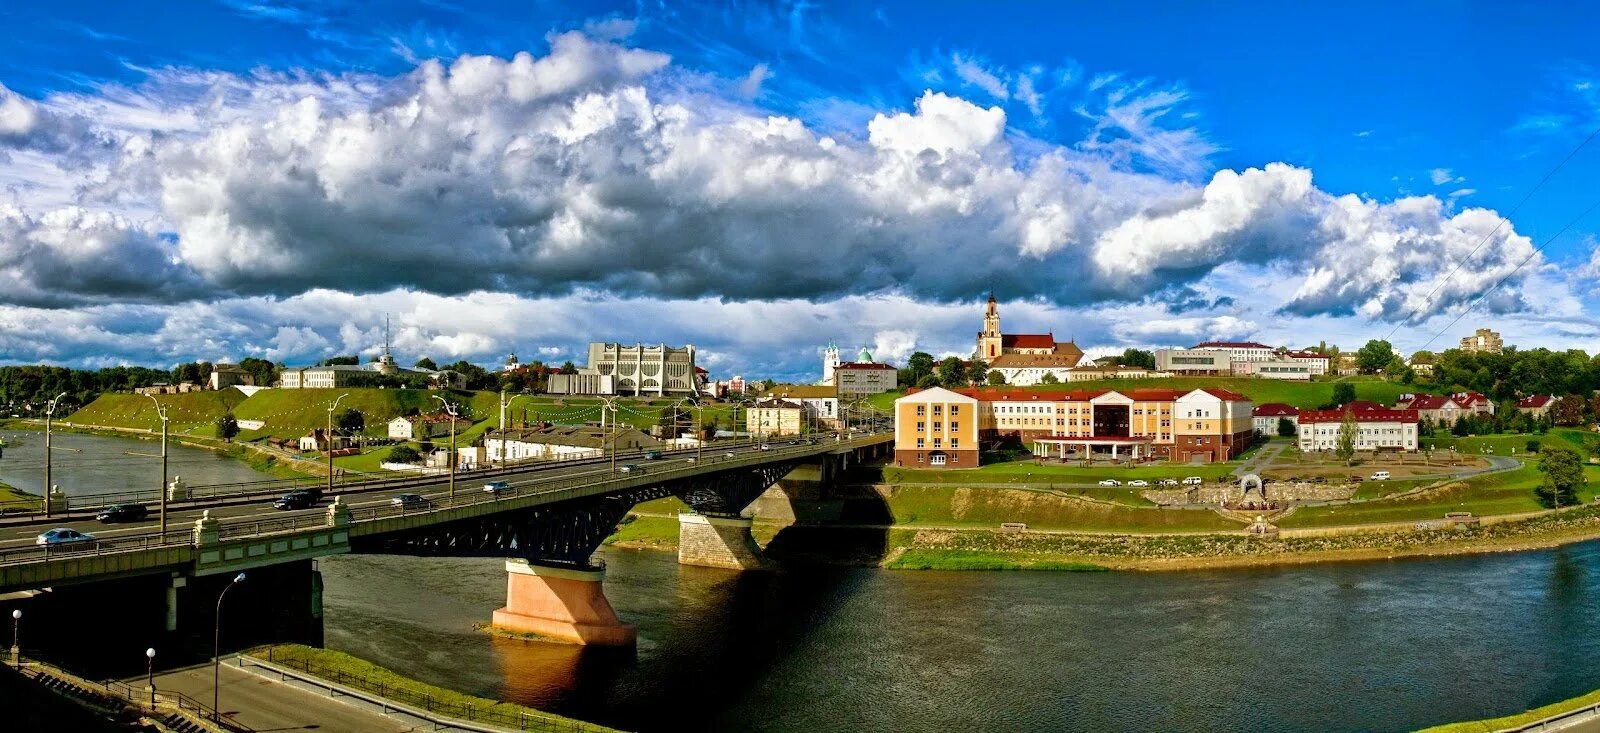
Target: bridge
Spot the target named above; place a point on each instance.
(549, 523)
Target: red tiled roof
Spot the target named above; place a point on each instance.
(1225, 394)
(1028, 340)
(1462, 400)
(1274, 409)
(1378, 415)
(1305, 355)
(1363, 405)
(1536, 401)
(1231, 345)
(862, 365)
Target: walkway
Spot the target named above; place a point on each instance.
(268, 705)
(1264, 455)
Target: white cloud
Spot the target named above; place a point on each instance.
(973, 73)
(750, 87)
(1441, 176)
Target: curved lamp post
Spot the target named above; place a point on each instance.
(216, 650)
(49, 415)
(450, 461)
(505, 405)
(329, 437)
(161, 412)
(699, 425)
(611, 407)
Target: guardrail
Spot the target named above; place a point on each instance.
(674, 468)
(187, 706)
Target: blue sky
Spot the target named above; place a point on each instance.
(1192, 156)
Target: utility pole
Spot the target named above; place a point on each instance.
(161, 412)
(329, 436)
(610, 407)
(450, 410)
(49, 414)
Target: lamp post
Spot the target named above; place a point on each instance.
(329, 437)
(150, 674)
(699, 426)
(16, 638)
(610, 406)
(450, 461)
(505, 404)
(49, 414)
(216, 650)
(161, 412)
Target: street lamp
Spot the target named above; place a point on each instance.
(699, 425)
(161, 412)
(16, 637)
(505, 404)
(610, 406)
(329, 437)
(150, 672)
(49, 414)
(216, 650)
(450, 460)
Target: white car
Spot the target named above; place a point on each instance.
(1110, 482)
(1138, 482)
(1167, 482)
(63, 536)
(1193, 481)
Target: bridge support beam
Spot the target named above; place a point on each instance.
(565, 604)
(714, 541)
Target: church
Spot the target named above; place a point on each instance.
(1023, 358)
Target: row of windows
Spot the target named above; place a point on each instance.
(954, 426)
(939, 409)
(954, 443)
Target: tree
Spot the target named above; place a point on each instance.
(1563, 477)
(921, 364)
(568, 367)
(1049, 378)
(977, 372)
(1344, 393)
(996, 378)
(426, 363)
(350, 422)
(1374, 356)
(1286, 428)
(341, 361)
(1461, 428)
(403, 454)
(928, 380)
(1345, 448)
(1532, 446)
(1138, 358)
(1567, 411)
(952, 373)
(264, 373)
(227, 427)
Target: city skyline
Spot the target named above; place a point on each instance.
(759, 183)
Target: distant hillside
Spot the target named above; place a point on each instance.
(1303, 395)
(290, 413)
(193, 413)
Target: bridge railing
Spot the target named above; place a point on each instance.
(129, 543)
(187, 706)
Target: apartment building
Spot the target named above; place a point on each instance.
(936, 428)
(1377, 429)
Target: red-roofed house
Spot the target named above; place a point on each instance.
(1380, 429)
(1536, 405)
(1266, 417)
(1446, 409)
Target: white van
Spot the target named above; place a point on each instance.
(1193, 481)
(1380, 476)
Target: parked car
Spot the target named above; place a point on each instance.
(1193, 481)
(1358, 479)
(652, 455)
(1110, 482)
(629, 468)
(294, 500)
(63, 536)
(1380, 476)
(1167, 482)
(1138, 482)
(122, 513)
(496, 488)
(410, 501)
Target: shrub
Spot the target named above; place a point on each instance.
(403, 454)
(1533, 446)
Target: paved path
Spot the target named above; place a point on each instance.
(1266, 454)
(268, 705)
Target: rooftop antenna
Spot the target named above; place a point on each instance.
(386, 336)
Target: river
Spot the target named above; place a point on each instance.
(86, 465)
(1337, 647)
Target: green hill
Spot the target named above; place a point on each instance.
(290, 413)
(1303, 395)
(193, 413)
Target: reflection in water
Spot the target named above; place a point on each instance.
(85, 465)
(1369, 646)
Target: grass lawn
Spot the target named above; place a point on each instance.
(1503, 493)
(16, 500)
(356, 672)
(1504, 444)
(192, 413)
(1520, 719)
(368, 461)
(639, 531)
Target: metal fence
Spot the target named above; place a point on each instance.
(185, 705)
(130, 543)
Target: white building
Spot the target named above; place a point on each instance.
(1266, 417)
(645, 370)
(1238, 350)
(830, 362)
(563, 442)
(425, 427)
(1290, 369)
(582, 384)
(1191, 362)
(1318, 362)
(1379, 429)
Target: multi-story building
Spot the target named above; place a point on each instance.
(1266, 417)
(548, 441)
(774, 417)
(1483, 340)
(1283, 368)
(1536, 405)
(1377, 429)
(830, 361)
(936, 428)
(1318, 362)
(1193, 362)
(1135, 424)
(819, 403)
(1446, 409)
(864, 376)
(344, 375)
(1238, 350)
(645, 370)
(224, 376)
(582, 384)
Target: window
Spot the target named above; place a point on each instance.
(937, 409)
(920, 426)
(955, 410)
(919, 442)
(936, 442)
(938, 426)
(955, 426)
(955, 443)
(937, 460)
(921, 409)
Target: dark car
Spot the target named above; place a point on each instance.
(410, 501)
(652, 455)
(312, 491)
(295, 500)
(122, 513)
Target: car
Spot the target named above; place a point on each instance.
(1138, 482)
(691, 459)
(653, 455)
(1167, 482)
(63, 536)
(1193, 481)
(409, 501)
(1380, 476)
(764, 446)
(1357, 479)
(122, 513)
(294, 500)
(1110, 482)
(629, 468)
(496, 488)
(729, 454)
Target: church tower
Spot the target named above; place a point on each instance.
(830, 361)
(989, 341)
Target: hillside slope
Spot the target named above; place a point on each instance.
(194, 413)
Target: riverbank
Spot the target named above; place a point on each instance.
(1520, 719)
(345, 669)
(261, 459)
(911, 547)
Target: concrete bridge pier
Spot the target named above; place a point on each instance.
(562, 603)
(717, 541)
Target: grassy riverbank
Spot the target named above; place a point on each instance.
(355, 672)
(1512, 721)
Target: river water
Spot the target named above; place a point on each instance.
(1338, 647)
(85, 465)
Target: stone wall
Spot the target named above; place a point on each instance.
(1279, 491)
(717, 542)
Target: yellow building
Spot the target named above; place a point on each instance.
(774, 417)
(936, 428)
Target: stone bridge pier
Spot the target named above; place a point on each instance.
(715, 532)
